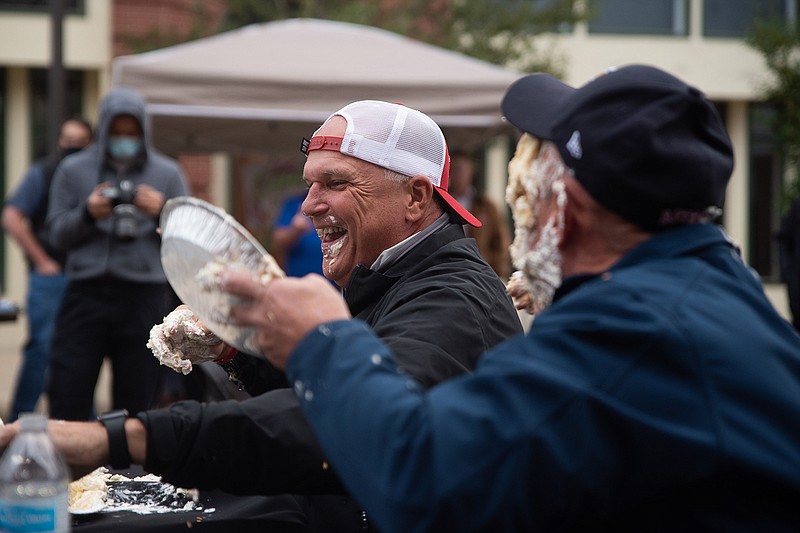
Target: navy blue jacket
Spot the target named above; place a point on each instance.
(662, 395)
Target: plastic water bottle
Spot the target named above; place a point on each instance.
(33, 482)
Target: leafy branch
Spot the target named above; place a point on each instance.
(779, 43)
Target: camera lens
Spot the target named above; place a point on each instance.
(126, 224)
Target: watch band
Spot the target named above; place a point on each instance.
(232, 367)
(114, 422)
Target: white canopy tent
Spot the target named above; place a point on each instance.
(264, 86)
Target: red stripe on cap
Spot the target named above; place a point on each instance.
(325, 142)
(444, 181)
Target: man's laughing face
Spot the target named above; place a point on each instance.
(355, 209)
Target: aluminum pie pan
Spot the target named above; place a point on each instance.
(195, 233)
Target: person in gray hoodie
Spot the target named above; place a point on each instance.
(103, 211)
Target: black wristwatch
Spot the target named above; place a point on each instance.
(118, 454)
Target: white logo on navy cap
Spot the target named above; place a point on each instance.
(574, 145)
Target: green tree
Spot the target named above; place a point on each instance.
(498, 31)
(779, 43)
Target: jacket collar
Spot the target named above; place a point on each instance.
(686, 240)
(367, 286)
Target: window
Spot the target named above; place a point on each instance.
(651, 17)
(765, 174)
(734, 18)
(70, 6)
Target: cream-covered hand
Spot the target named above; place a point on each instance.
(182, 340)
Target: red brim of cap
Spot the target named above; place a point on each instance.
(459, 209)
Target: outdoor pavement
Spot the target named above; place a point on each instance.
(12, 337)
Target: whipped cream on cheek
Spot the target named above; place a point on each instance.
(534, 178)
(333, 236)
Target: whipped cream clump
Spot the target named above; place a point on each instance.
(179, 340)
(535, 176)
(331, 253)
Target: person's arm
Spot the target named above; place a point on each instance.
(149, 200)
(261, 445)
(20, 208)
(84, 445)
(264, 444)
(17, 226)
(539, 437)
(476, 310)
(182, 332)
(71, 213)
(223, 445)
(170, 183)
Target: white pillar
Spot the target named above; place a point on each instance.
(18, 158)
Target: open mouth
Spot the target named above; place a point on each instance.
(332, 237)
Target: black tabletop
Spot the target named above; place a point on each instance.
(216, 511)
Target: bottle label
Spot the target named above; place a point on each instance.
(27, 518)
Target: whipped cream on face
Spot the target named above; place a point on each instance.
(534, 177)
(542, 266)
(334, 233)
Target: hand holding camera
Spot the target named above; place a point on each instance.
(149, 200)
(117, 200)
(124, 201)
(122, 193)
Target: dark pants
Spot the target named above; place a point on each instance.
(105, 318)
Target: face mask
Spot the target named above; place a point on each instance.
(124, 147)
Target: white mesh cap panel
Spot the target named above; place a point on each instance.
(398, 138)
(394, 137)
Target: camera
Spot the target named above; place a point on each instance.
(126, 224)
(124, 193)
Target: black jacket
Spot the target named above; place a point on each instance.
(438, 308)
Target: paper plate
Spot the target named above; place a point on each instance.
(195, 233)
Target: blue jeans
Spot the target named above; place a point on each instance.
(42, 304)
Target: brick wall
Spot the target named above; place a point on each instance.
(197, 168)
(163, 22)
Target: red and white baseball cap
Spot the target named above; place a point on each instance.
(396, 137)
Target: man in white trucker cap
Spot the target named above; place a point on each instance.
(393, 240)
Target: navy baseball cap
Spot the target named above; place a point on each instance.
(644, 144)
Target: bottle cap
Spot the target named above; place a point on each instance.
(32, 422)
